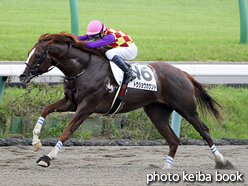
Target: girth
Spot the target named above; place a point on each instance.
(118, 97)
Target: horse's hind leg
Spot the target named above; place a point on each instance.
(193, 118)
(159, 115)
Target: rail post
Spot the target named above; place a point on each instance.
(243, 21)
(2, 85)
(175, 123)
(74, 17)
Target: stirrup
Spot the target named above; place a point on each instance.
(130, 77)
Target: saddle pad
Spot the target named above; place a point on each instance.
(145, 79)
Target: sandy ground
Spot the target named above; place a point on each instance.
(120, 165)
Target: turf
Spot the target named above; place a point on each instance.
(163, 30)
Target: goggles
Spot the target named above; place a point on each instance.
(95, 37)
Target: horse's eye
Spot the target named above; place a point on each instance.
(37, 56)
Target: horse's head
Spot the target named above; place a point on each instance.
(38, 62)
(40, 59)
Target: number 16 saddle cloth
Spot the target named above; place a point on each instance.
(145, 80)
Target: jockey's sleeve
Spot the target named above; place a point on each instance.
(107, 39)
(83, 37)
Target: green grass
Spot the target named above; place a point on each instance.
(29, 102)
(163, 30)
(234, 124)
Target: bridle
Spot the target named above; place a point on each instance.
(34, 70)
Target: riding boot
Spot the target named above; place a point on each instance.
(130, 75)
(128, 65)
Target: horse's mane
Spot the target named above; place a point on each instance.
(64, 37)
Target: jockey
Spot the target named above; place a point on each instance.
(118, 45)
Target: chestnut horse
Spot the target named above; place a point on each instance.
(86, 88)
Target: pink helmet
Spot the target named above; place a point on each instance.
(95, 27)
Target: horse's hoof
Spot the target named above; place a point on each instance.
(227, 164)
(167, 166)
(37, 146)
(44, 161)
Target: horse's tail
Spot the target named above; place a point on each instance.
(206, 102)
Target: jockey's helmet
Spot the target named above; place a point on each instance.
(95, 27)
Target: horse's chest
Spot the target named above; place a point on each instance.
(70, 90)
(70, 94)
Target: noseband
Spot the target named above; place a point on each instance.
(34, 70)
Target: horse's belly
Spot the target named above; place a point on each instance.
(133, 100)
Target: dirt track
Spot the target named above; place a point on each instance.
(117, 165)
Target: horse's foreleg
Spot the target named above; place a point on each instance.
(44, 161)
(75, 122)
(59, 106)
(83, 111)
(36, 142)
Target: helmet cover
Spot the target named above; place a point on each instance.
(95, 27)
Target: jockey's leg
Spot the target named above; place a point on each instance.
(118, 54)
(130, 75)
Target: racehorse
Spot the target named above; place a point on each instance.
(88, 77)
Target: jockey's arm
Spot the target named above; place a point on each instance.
(83, 37)
(107, 39)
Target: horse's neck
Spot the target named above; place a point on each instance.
(77, 61)
(74, 63)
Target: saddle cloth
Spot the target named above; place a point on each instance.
(145, 78)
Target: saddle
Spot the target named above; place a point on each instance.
(145, 80)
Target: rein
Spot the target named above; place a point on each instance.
(34, 70)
